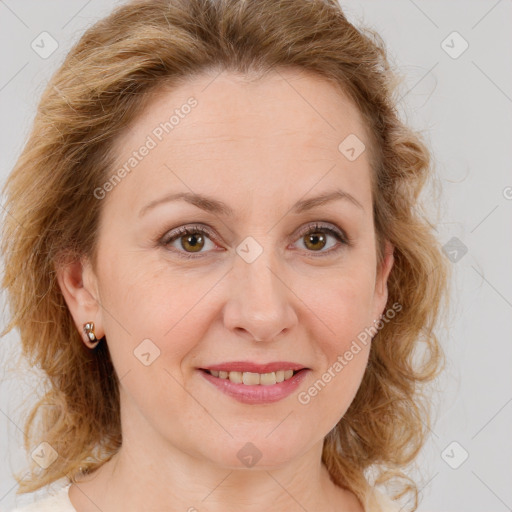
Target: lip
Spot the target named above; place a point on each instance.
(248, 366)
(257, 394)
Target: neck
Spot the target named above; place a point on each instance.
(151, 473)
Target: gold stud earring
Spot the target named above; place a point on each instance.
(91, 340)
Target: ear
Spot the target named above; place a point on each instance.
(78, 285)
(380, 296)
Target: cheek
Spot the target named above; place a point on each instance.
(341, 314)
(154, 321)
(148, 308)
(342, 343)
(342, 306)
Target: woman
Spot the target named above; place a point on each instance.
(215, 252)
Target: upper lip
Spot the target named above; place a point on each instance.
(248, 366)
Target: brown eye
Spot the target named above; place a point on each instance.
(193, 242)
(315, 241)
(316, 238)
(189, 241)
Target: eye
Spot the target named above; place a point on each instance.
(315, 238)
(188, 240)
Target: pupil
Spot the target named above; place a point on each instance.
(314, 239)
(194, 241)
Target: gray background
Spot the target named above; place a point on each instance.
(464, 107)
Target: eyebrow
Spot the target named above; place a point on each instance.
(209, 204)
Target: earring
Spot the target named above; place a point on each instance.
(91, 340)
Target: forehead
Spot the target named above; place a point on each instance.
(230, 104)
(279, 132)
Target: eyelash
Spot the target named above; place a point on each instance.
(312, 228)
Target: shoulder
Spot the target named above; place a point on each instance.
(56, 502)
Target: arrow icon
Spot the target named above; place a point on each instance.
(44, 44)
(44, 455)
(249, 455)
(351, 147)
(147, 352)
(249, 249)
(454, 45)
(455, 249)
(454, 455)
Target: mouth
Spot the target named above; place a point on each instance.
(254, 378)
(256, 384)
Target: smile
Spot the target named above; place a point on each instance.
(255, 388)
(254, 379)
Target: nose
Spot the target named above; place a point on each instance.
(260, 303)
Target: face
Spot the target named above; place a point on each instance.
(264, 280)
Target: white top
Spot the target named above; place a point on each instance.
(60, 502)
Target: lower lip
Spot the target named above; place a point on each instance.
(258, 394)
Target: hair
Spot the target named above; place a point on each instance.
(104, 82)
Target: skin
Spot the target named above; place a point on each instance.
(260, 148)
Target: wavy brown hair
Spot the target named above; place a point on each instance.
(103, 84)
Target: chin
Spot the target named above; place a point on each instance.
(251, 452)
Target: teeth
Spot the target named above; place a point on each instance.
(254, 379)
(250, 379)
(235, 377)
(267, 379)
